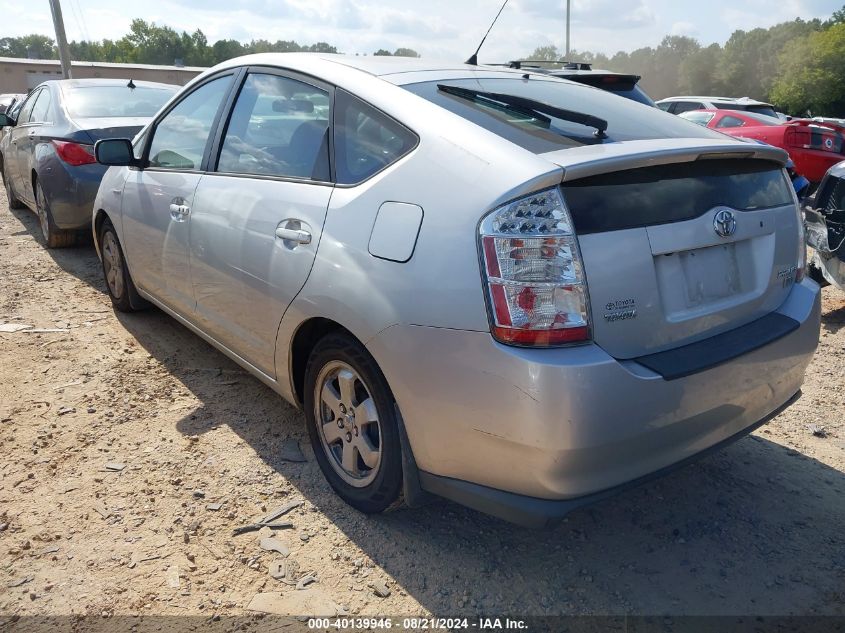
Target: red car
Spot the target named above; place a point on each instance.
(813, 147)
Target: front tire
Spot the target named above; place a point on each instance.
(124, 295)
(54, 237)
(352, 424)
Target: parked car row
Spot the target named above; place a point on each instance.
(448, 267)
(814, 147)
(47, 148)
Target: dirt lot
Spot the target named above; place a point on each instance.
(757, 528)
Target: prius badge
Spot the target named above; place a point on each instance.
(724, 222)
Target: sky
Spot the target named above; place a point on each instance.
(445, 29)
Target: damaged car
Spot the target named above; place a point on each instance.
(824, 218)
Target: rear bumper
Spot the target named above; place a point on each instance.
(70, 191)
(555, 426)
(540, 513)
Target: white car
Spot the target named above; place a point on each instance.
(677, 105)
(504, 288)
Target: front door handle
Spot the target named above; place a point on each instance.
(300, 236)
(179, 212)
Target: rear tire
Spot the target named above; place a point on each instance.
(14, 203)
(124, 295)
(352, 424)
(54, 237)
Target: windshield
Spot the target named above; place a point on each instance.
(116, 101)
(697, 116)
(539, 134)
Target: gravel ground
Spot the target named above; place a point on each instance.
(119, 431)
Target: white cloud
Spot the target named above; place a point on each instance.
(684, 28)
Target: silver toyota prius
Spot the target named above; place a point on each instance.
(500, 287)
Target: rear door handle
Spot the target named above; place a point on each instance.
(299, 236)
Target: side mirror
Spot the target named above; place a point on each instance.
(115, 151)
(6, 120)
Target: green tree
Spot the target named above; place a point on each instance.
(34, 46)
(383, 53)
(405, 52)
(811, 77)
(545, 53)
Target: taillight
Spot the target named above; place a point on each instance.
(797, 137)
(534, 273)
(75, 154)
(810, 137)
(801, 264)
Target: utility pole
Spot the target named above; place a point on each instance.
(61, 38)
(568, 2)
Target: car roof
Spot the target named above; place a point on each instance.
(95, 82)
(376, 65)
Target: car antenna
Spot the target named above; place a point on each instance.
(473, 61)
(131, 85)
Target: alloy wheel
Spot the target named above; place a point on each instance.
(113, 265)
(348, 423)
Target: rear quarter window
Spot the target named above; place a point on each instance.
(366, 140)
(626, 119)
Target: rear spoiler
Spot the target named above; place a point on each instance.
(590, 160)
(808, 122)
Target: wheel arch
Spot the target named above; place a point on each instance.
(306, 337)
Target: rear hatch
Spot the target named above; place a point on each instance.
(680, 241)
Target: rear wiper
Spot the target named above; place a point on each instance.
(530, 106)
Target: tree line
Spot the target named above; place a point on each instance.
(148, 43)
(799, 66)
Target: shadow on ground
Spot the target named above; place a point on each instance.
(80, 261)
(755, 528)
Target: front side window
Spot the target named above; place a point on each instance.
(41, 110)
(366, 140)
(279, 127)
(180, 138)
(730, 121)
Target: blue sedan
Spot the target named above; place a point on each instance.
(47, 152)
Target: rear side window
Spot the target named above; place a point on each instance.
(180, 137)
(41, 111)
(686, 106)
(767, 110)
(730, 121)
(673, 193)
(115, 101)
(366, 139)
(279, 127)
(539, 133)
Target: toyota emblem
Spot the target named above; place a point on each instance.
(724, 223)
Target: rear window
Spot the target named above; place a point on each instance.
(758, 109)
(626, 121)
(115, 101)
(673, 193)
